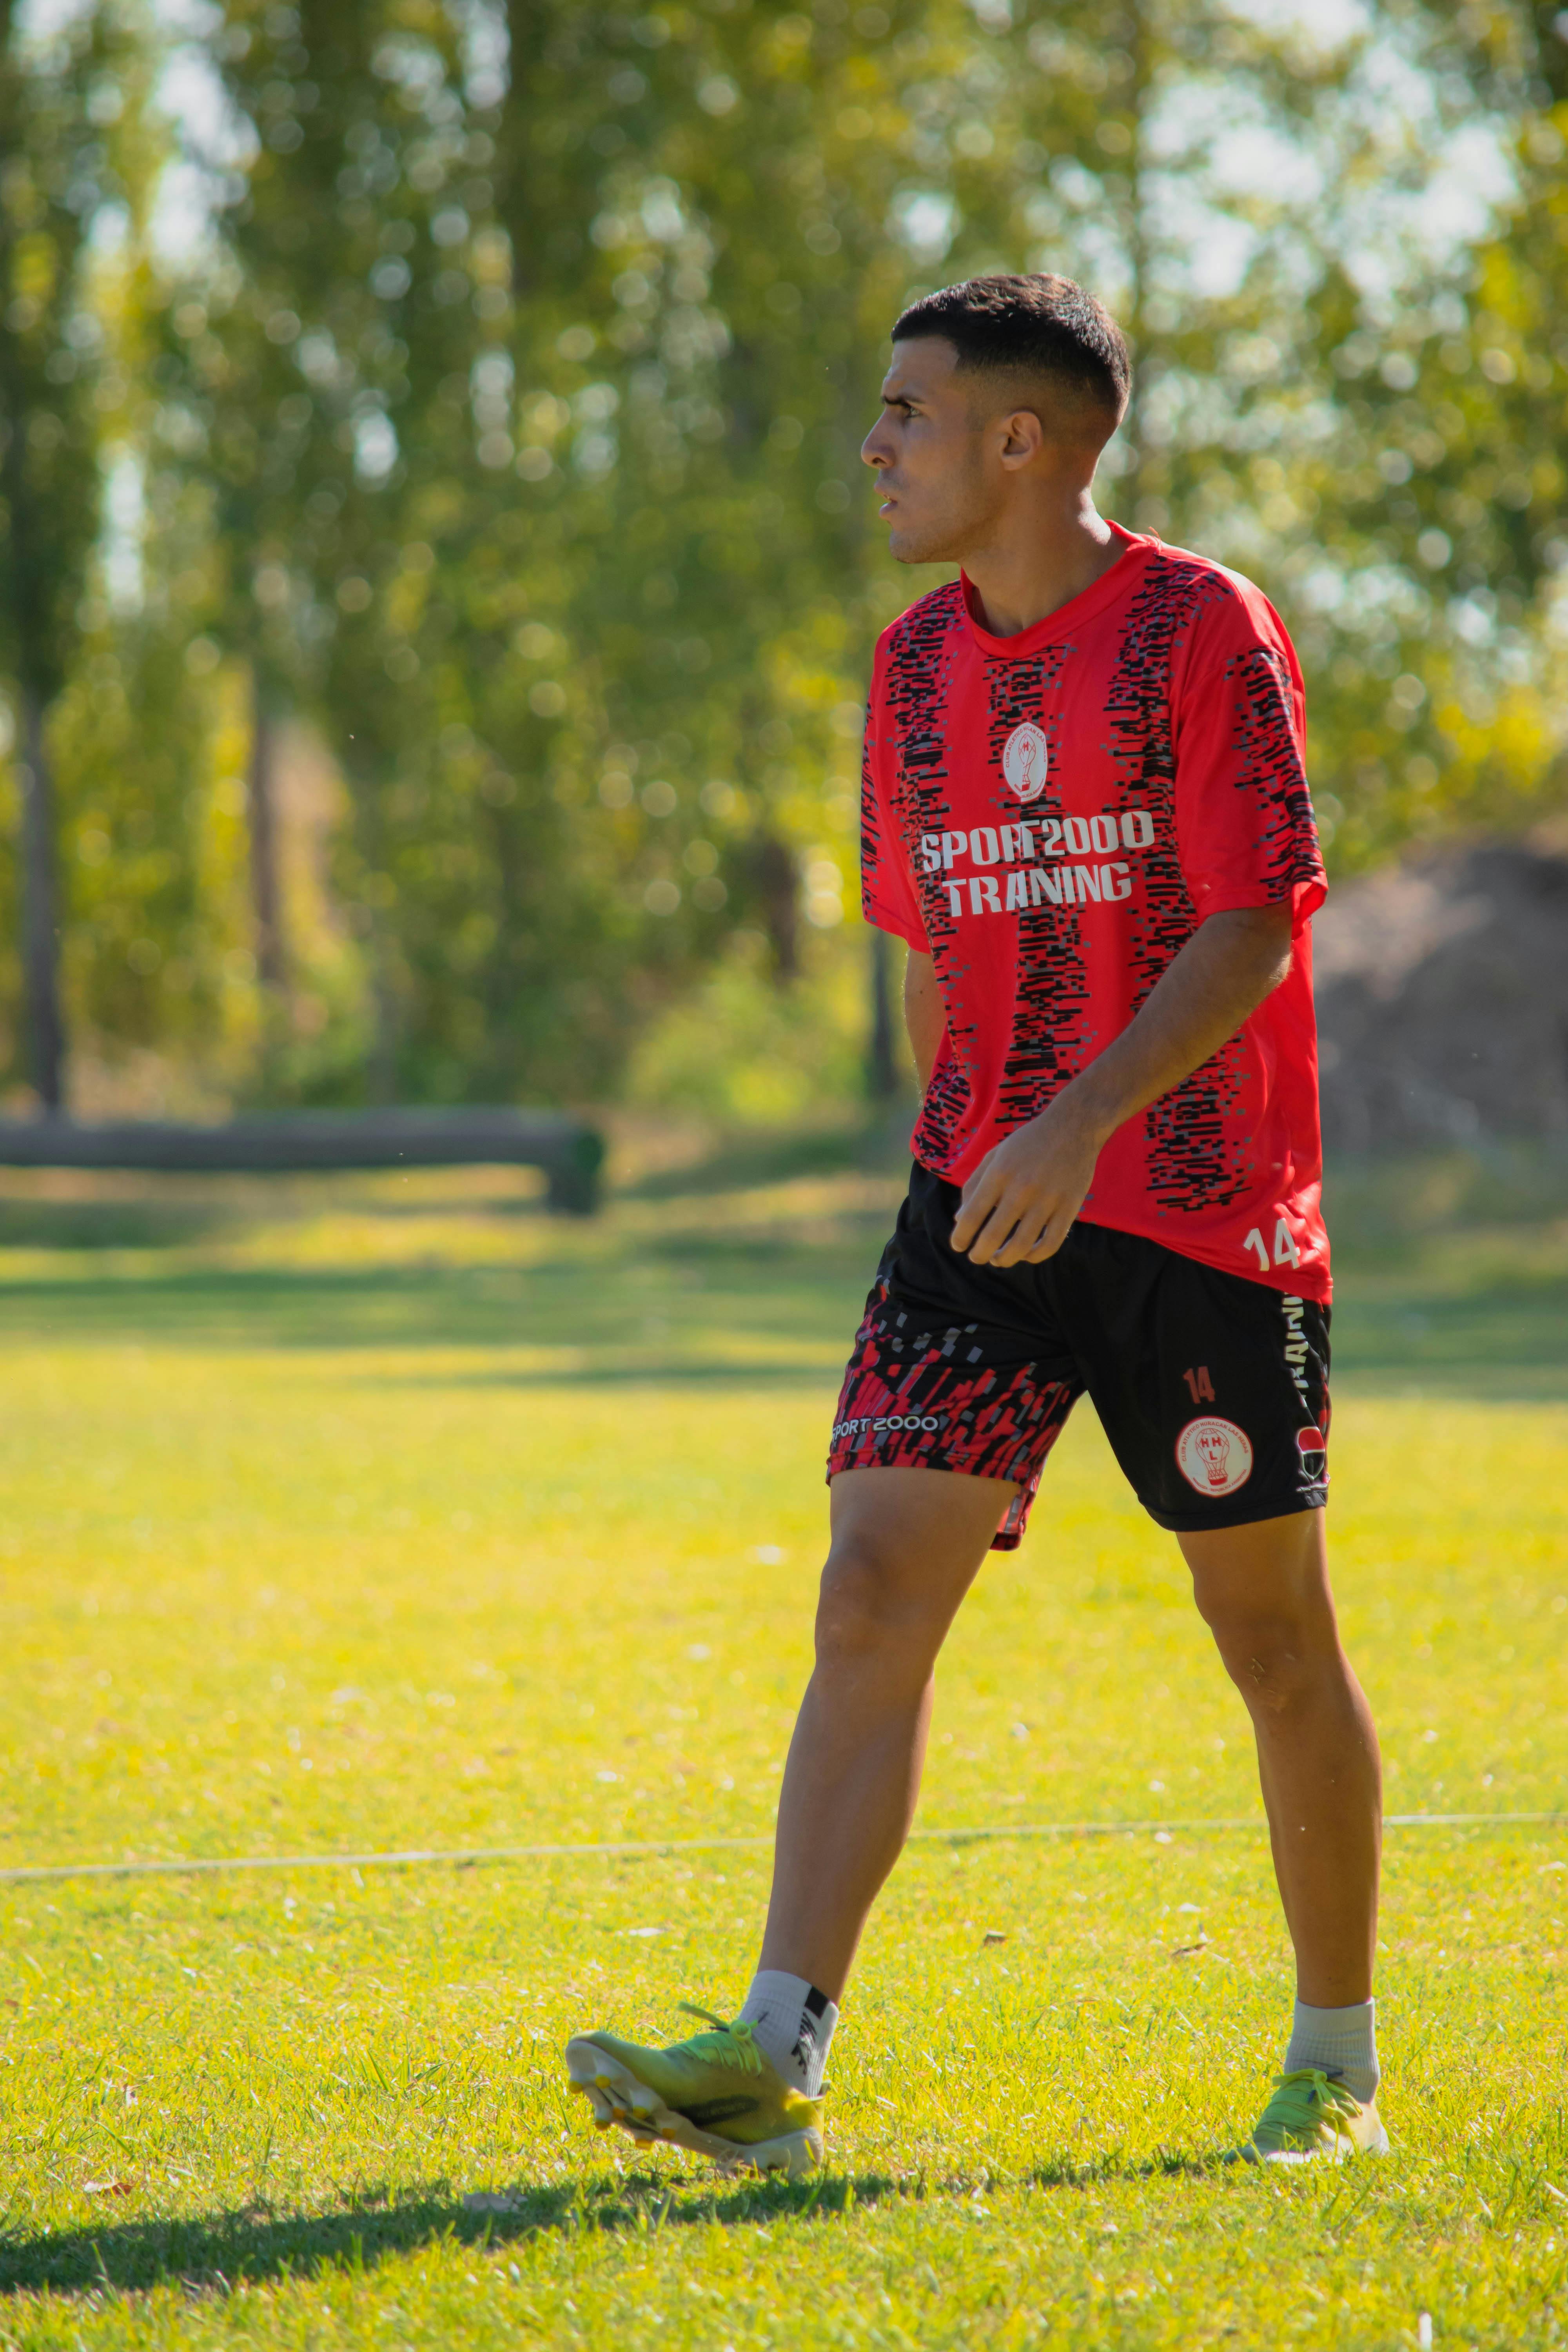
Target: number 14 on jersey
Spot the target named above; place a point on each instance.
(1285, 1250)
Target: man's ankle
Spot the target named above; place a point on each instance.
(793, 2024)
(1342, 2041)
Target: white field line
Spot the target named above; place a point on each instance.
(477, 1853)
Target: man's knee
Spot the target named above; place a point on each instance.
(869, 1608)
(1263, 1591)
(1275, 1656)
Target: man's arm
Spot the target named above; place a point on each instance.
(1020, 1201)
(925, 1016)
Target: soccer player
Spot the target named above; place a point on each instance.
(1086, 812)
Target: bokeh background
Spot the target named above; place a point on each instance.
(440, 581)
(436, 592)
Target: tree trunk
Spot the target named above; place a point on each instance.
(1146, 479)
(261, 808)
(778, 890)
(882, 1070)
(382, 1072)
(378, 933)
(40, 949)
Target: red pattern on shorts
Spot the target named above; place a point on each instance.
(922, 1400)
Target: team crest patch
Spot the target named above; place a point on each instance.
(1026, 760)
(1214, 1456)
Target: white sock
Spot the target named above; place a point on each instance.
(794, 2024)
(1342, 2041)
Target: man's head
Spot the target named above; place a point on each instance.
(1000, 387)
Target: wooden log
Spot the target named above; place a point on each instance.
(570, 1151)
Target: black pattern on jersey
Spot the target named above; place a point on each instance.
(1199, 1154)
(919, 664)
(1143, 750)
(1192, 1162)
(1268, 767)
(1016, 691)
(1049, 1045)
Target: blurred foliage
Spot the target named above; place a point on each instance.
(479, 383)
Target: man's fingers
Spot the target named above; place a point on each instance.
(994, 1235)
(997, 1232)
(1024, 1246)
(1031, 1239)
(979, 1198)
(1014, 1228)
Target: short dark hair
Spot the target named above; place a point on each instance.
(1035, 325)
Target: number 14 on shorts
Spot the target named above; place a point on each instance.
(1285, 1250)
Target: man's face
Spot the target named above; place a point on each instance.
(940, 477)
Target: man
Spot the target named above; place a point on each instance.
(1086, 812)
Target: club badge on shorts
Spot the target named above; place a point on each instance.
(1214, 1456)
(1026, 760)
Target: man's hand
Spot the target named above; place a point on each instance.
(1020, 1202)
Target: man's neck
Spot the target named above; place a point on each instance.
(1037, 564)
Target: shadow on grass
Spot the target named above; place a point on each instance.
(325, 1310)
(1507, 1342)
(739, 1164)
(1426, 1306)
(112, 1225)
(649, 1317)
(255, 2244)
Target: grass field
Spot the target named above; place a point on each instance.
(340, 1519)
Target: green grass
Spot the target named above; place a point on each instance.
(351, 1518)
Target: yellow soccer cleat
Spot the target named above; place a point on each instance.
(1312, 2119)
(716, 2094)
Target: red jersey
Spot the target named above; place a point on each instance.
(1050, 816)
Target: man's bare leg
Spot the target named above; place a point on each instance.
(1264, 1592)
(906, 1546)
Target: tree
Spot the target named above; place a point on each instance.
(1447, 485)
(52, 159)
(508, 428)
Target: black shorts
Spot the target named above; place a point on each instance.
(1212, 1389)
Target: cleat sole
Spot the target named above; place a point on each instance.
(639, 2112)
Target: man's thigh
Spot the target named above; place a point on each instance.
(907, 1545)
(915, 1512)
(955, 1370)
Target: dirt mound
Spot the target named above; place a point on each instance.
(1442, 989)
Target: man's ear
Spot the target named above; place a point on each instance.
(1023, 436)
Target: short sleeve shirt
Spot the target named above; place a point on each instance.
(1050, 816)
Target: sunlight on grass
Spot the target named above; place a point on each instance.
(319, 1539)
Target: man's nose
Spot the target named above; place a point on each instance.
(872, 450)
